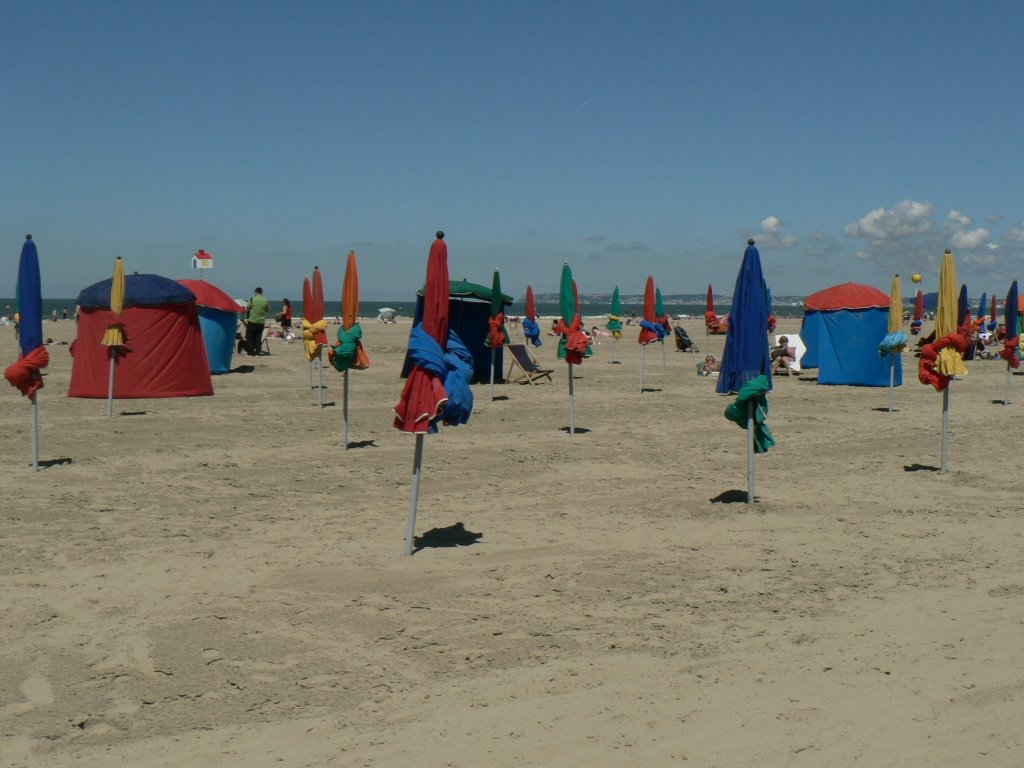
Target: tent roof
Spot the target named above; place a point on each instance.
(209, 295)
(139, 291)
(466, 289)
(847, 296)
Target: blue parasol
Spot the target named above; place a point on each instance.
(962, 309)
(981, 305)
(25, 374)
(1011, 340)
(746, 355)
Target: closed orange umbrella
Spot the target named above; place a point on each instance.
(349, 353)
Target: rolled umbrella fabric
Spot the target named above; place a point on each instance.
(615, 315)
(755, 390)
(530, 328)
(980, 319)
(114, 336)
(650, 329)
(497, 335)
(424, 402)
(710, 318)
(314, 327)
(896, 340)
(943, 359)
(1011, 341)
(25, 373)
(746, 354)
(659, 313)
(915, 324)
(963, 309)
(349, 352)
(572, 347)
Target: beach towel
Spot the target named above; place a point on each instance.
(755, 389)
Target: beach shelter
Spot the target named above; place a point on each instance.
(437, 388)
(746, 365)
(163, 354)
(530, 328)
(218, 319)
(497, 335)
(842, 328)
(349, 352)
(572, 346)
(469, 315)
(25, 374)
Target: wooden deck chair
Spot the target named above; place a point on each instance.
(523, 359)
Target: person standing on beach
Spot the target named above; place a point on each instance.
(258, 307)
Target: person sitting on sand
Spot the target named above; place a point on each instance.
(554, 328)
(782, 355)
(709, 366)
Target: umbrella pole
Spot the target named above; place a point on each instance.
(35, 434)
(417, 465)
(892, 378)
(110, 386)
(310, 365)
(493, 358)
(945, 429)
(615, 350)
(572, 405)
(664, 360)
(320, 366)
(1006, 384)
(750, 452)
(344, 408)
(643, 355)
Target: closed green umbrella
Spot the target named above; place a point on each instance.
(572, 347)
(659, 311)
(615, 322)
(497, 335)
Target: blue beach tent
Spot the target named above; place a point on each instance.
(841, 330)
(218, 319)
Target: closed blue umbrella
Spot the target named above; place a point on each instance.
(963, 311)
(746, 356)
(25, 374)
(982, 307)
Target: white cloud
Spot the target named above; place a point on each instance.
(637, 246)
(973, 239)
(1015, 234)
(959, 220)
(902, 220)
(771, 235)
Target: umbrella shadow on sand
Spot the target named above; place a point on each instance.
(243, 369)
(920, 468)
(362, 444)
(731, 497)
(453, 536)
(577, 430)
(55, 462)
(134, 413)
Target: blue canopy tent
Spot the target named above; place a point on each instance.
(218, 319)
(841, 330)
(469, 315)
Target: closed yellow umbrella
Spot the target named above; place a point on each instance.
(895, 306)
(114, 335)
(950, 361)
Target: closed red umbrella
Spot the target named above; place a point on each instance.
(530, 328)
(648, 330)
(349, 353)
(425, 398)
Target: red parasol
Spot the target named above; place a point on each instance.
(424, 395)
(531, 307)
(650, 314)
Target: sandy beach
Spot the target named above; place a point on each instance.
(215, 582)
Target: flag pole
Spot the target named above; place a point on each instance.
(750, 451)
(493, 359)
(110, 386)
(417, 466)
(35, 434)
(945, 428)
(344, 407)
(572, 405)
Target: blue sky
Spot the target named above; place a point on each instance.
(851, 141)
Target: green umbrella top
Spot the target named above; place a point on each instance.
(615, 316)
(572, 347)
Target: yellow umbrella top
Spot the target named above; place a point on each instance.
(114, 335)
(895, 306)
(950, 362)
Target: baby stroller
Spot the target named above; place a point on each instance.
(683, 341)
